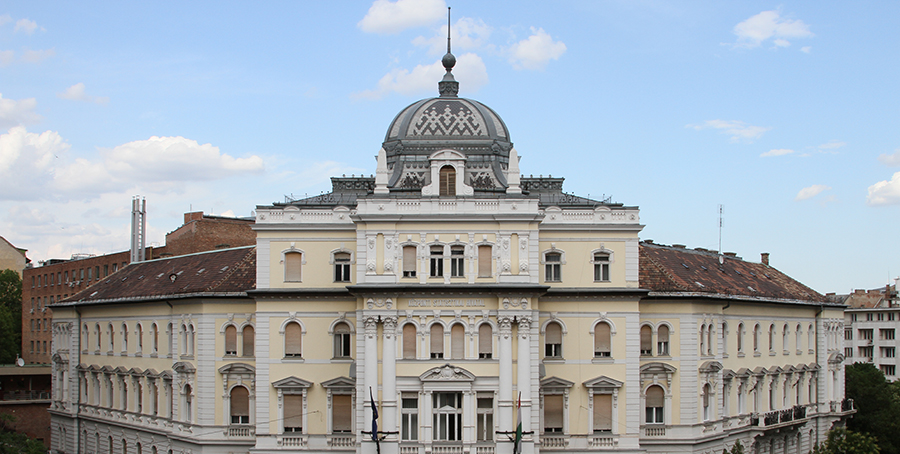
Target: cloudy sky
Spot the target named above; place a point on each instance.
(785, 113)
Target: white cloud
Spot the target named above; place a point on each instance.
(811, 191)
(535, 51)
(738, 130)
(832, 145)
(386, 17)
(885, 192)
(892, 160)
(470, 71)
(6, 57)
(76, 93)
(26, 26)
(26, 162)
(14, 113)
(806, 49)
(5, 19)
(466, 33)
(37, 56)
(776, 152)
(769, 25)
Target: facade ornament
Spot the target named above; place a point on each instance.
(371, 324)
(389, 326)
(505, 326)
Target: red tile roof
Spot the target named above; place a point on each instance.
(667, 269)
(226, 272)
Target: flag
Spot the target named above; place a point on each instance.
(374, 417)
(517, 448)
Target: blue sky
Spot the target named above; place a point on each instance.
(785, 113)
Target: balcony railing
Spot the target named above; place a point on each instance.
(447, 449)
(651, 431)
(292, 441)
(604, 441)
(240, 431)
(484, 449)
(554, 441)
(342, 441)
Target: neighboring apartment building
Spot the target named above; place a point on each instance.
(58, 279)
(11, 257)
(871, 325)
(455, 295)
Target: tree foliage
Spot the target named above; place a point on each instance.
(16, 443)
(738, 448)
(843, 441)
(10, 316)
(877, 404)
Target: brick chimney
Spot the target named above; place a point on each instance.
(764, 258)
(193, 216)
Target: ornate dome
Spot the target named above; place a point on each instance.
(448, 119)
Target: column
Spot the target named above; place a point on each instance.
(370, 378)
(505, 402)
(388, 420)
(523, 380)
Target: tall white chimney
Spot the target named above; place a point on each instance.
(138, 228)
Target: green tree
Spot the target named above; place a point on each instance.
(16, 443)
(738, 448)
(843, 441)
(877, 405)
(10, 316)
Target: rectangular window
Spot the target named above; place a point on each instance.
(848, 352)
(890, 316)
(889, 369)
(880, 316)
(866, 352)
(484, 261)
(457, 261)
(601, 267)
(409, 417)
(888, 352)
(602, 413)
(869, 317)
(866, 334)
(90, 273)
(485, 419)
(342, 267)
(447, 416)
(848, 334)
(293, 413)
(886, 334)
(105, 270)
(552, 267)
(437, 261)
(553, 413)
(81, 273)
(115, 267)
(409, 261)
(292, 263)
(340, 413)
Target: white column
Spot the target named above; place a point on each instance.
(505, 403)
(523, 381)
(388, 421)
(370, 375)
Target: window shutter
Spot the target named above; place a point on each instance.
(292, 266)
(484, 261)
(447, 181)
(602, 411)
(292, 339)
(655, 397)
(293, 411)
(437, 338)
(705, 396)
(554, 334)
(553, 411)
(240, 401)
(485, 339)
(409, 258)
(340, 412)
(249, 339)
(409, 341)
(662, 334)
(646, 338)
(457, 342)
(601, 337)
(230, 339)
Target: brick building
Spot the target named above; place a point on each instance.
(25, 394)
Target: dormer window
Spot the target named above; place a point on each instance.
(448, 181)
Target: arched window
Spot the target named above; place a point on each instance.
(811, 333)
(798, 337)
(240, 405)
(437, 341)
(703, 337)
(654, 405)
(740, 338)
(784, 339)
(110, 445)
(140, 338)
(170, 332)
(448, 181)
(485, 341)
(190, 344)
(662, 340)
(553, 341)
(188, 414)
(85, 337)
(757, 332)
(248, 337)
(292, 335)
(341, 340)
(292, 262)
(409, 341)
(457, 341)
(111, 332)
(772, 337)
(124, 337)
(646, 341)
(97, 342)
(706, 406)
(154, 338)
(725, 338)
(230, 340)
(710, 346)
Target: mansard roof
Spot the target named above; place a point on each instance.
(669, 270)
(225, 272)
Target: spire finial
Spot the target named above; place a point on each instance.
(448, 86)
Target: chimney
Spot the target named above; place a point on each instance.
(193, 216)
(138, 229)
(764, 258)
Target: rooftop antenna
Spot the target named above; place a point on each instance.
(721, 222)
(448, 29)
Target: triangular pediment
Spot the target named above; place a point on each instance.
(237, 368)
(555, 382)
(711, 366)
(184, 368)
(121, 370)
(340, 382)
(107, 369)
(151, 373)
(166, 375)
(728, 374)
(447, 372)
(135, 371)
(292, 383)
(603, 382)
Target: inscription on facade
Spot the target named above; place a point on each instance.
(446, 302)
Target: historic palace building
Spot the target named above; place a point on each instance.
(450, 291)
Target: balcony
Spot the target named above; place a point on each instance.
(554, 442)
(240, 431)
(605, 441)
(292, 441)
(342, 441)
(447, 449)
(655, 431)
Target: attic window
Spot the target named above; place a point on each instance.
(701, 285)
(201, 270)
(753, 274)
(767, 275)
(685, 266)
(738, 272)
(140, 277)
(179, 273)
(160, 275)
(223, 268)
(751, 288)
(92, 294)
(704, 268)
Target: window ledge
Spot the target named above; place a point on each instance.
(554, 359)
(603, 360)
(342, 359)
(154, 355)
(785, 353)
(771, 353)
(293, 359)
(741, 355)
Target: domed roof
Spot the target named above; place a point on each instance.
(447, 119)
